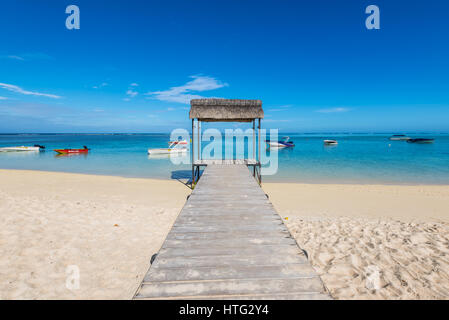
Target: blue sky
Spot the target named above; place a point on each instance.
(134, 65)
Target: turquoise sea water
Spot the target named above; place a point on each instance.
(358, 158)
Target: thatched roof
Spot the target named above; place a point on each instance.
(226, 110)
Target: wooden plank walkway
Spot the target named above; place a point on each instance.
(228, 242)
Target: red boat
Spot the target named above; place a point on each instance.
(70, 151)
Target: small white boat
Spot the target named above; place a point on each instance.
(22, 148)
(177, 155)
(174, 148)
(399, 137)
(284, 143)
(330, 142)
(166, 150)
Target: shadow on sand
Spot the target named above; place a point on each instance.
(183, 176)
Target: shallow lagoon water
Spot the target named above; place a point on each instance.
(358, 158)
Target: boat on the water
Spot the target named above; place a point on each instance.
(330, 142)
(182, 142)
(174, 148)
(399, 137)
(421, 140)
(72, 151)
(159, 156)
(284, 143)
(166, 150)
(35, 148)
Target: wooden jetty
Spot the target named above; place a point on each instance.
(228, 242)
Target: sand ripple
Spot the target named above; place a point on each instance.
(372, 258)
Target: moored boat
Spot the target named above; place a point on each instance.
(166, 150)
(399, 137)
(421, 140)
(181, 142)
(72, 151)
(35, 148)
(330, 142)
(174, 148)
(284, 143)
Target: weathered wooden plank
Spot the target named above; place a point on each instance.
(229, 287)
(220, 224)
(229, 272)
(216, 228)
(229, 242)
(226, 235)
(249, 243)
(227, 219)
(212, 204)
(278, 296)
(231, 211)
(227, 251)
(218, 261)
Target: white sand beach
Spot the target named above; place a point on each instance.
(371, 241)
(110, 227)
(107, 226)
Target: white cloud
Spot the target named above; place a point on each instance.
(15, 58)
(333, 110)
(3, 98)
(132, 93)
(183, 94)
(27, 56)
(17, 89)
(104, 84)
(277, 120)
(280, 108)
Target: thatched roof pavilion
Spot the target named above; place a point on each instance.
(225, 110)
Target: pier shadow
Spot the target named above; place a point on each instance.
(183, 176)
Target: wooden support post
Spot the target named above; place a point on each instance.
(198, 131)
(254, 146)
(192, 153)
(258, 160)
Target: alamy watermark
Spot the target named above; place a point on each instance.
(72, 281)
(371, 22)
(372, 277)
(234, 144)
(73, 20)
